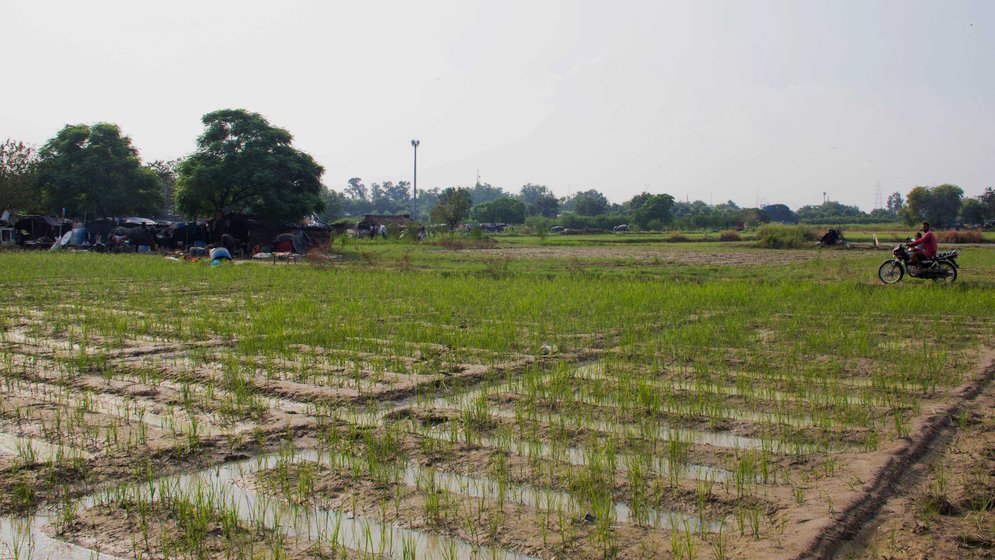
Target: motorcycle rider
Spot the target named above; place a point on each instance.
(923, 247)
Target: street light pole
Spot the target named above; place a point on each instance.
(414, 185)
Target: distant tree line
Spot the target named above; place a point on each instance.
(243, 164)
(536, 205)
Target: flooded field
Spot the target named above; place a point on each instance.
(380, 408)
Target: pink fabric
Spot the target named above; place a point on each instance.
(928, 242)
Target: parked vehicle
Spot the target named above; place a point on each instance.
(942, 267)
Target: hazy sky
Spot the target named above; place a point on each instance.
(748, 100)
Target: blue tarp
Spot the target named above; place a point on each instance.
(79, 236)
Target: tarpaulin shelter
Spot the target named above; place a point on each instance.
(296, 242)
(32, 228)
(376, 220)
(76, 237)
(183, 234)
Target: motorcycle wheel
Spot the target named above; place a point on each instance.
(891, 271)
(949, 271)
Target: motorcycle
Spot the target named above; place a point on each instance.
(942, 267)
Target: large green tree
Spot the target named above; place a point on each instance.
(539, 200)
(588, 203)
(245, 165)
(938, 205)
(780, 213)
(987, 199)
(388, 198)
(482, 193)
(452, 206)
(653, 211)
(505, 210)
(18, 170)
(895, 203)
(165, 170)
(95, 171)
(334, 205)
(830, 212)
(973, 211)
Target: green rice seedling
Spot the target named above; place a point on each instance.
(676, 545)
(719, 544)
(690, 541)
(26, 452)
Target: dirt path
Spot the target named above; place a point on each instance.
(862, 525)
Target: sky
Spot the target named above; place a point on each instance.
(754, 101)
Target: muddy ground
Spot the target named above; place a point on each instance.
(936, 481)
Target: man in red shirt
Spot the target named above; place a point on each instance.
(924, 247)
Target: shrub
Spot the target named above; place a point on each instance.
(962, 236)
(677, 237)
(729, 235)
(779, 236)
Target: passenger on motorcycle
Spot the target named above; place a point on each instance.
(923, 247)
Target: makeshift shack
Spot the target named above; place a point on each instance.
(41, 229)
(374, 224)
(183, 234)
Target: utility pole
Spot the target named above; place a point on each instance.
(414, 183)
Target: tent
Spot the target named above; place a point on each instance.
(296, 242)
(219, 253)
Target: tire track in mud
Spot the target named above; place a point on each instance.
(935, 433)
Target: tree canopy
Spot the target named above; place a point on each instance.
(987, 200)
(166, 171)
(588, 203)
(484, 192)
(895, 203)
(539, 200)
(780, 213)
(939, 205)
(830, 212)
(505, 210)
(245, 165)
(452, 206)
(973, 211)
(18, 170)
(95, 170)
(653, 211)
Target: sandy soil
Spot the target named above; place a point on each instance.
(947, 508)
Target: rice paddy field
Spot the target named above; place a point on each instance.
(508, 399)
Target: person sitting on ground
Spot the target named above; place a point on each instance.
(923, 247)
